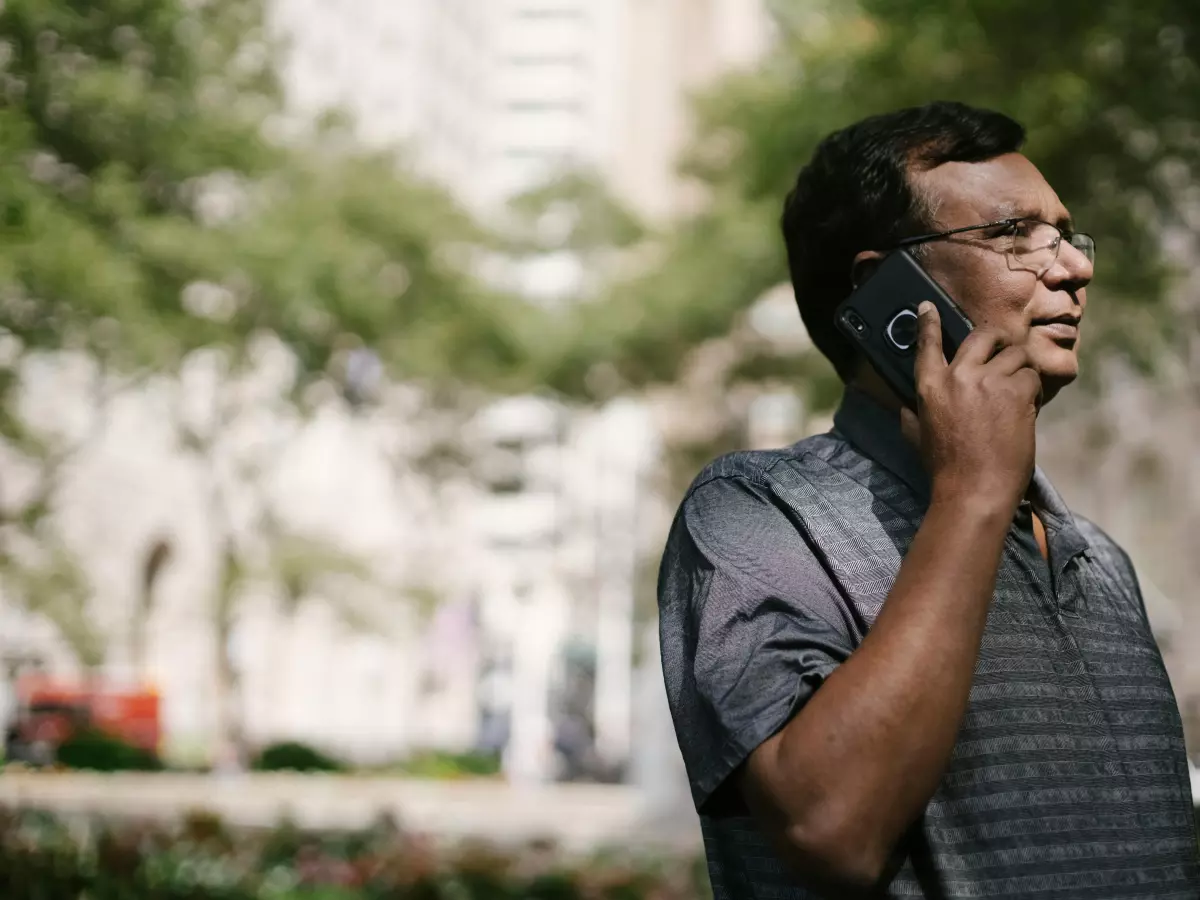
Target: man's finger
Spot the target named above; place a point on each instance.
(979, 347)
(930, 358)
(1009, 360)
(1031, 385)
(910, 427)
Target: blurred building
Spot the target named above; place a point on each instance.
(555, 65)
(493, 96)
(563, 517)
(671, 50)
(498, 613)
(416, 74)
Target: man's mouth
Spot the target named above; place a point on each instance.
(1064, 328)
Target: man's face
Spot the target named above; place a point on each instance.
(1040, 310)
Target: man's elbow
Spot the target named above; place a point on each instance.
(839, 854)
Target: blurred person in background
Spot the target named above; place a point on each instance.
(898, 665)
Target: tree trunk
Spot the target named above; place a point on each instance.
(232, 751)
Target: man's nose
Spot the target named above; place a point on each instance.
(1071, 271)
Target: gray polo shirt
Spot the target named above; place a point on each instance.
(1069, 778)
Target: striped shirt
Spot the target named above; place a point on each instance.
(1068, 779)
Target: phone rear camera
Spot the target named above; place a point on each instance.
(902, 330)
(855, 321)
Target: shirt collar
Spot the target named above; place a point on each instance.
(1066, 540)
(874, 430)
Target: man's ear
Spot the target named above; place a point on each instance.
(864, 266)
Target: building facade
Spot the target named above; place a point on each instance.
(494, 96)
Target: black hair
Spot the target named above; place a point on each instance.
(855, 194)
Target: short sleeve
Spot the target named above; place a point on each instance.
(750, 626)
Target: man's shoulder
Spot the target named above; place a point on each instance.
(755, 467)
(736, 508)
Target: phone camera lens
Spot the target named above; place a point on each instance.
(855, 321)
(902, 330)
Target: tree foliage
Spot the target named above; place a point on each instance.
(114, 115)
(147, 211)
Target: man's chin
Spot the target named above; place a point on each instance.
(1057, 366)
(1055, 378)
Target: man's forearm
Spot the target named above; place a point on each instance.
(849, 774)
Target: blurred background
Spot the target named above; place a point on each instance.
(354, 355)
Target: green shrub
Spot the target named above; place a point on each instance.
(294, 756)
(437, 764)
(101, 752)
(202, 858)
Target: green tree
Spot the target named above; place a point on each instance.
(111, 120)
(149, 216)
(147, 213)
(114, 116)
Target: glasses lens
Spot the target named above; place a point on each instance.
(1085, 245)
(1035, 244)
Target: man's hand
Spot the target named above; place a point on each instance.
(976, 415)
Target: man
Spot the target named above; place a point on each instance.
(897, 664)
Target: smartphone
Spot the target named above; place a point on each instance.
(880, 318)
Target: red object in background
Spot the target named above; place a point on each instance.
(51, 710)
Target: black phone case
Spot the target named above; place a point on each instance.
(880, 319)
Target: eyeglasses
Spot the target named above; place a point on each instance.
(1034, 243)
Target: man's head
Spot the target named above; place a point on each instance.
(932, 169)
